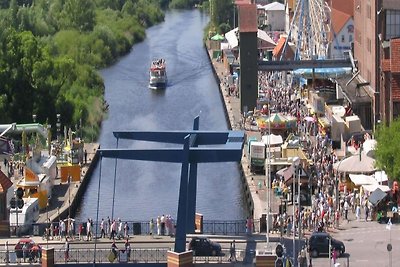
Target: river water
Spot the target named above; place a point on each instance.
(144, 189)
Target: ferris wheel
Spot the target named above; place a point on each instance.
(310, 29)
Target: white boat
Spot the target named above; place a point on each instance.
(28, 215)
(158, 74)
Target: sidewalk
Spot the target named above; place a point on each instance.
(260, 239)
(232, 103)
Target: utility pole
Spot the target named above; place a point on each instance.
(268, 173)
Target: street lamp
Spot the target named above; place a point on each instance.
(34, 118)
(69, 195)
(337, 193)
(296, 162)
(58, 124)
(268, 172)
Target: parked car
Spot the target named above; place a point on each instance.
(318, 244)
(28, 248)
(202, 246)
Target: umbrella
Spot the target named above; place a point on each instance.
(358, 163)
(309, 119)
(218, 37)
(277, 121)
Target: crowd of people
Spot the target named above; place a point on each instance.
(108, 228)
(324, 212)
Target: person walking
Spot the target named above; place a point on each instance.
(358, 212)
(128, 249)
(151, 227)
(80, 231)
(88, 230)
(66, 250)
(162, 220)
(102, 229)
(25, 251)
(108, 226)
(113, 229)
(249, 226)
(114, 254)
(346, 210)
(7, 259)
(120, 229)
(158, 225)
(71, 229)
(126, 230)
(232, 251)
(366, 211)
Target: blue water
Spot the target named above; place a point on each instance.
(145, 190)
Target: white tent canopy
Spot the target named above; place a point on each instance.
(273, 139)
(373, 187)
(361, 179)
(275, 6)
(380, 176)
(233, 41)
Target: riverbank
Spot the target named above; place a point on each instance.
(66, 198)
(255, 195)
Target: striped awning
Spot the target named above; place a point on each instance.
(5, 182)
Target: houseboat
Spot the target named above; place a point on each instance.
(158, 74)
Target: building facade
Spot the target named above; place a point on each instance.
(377, 25)
(342, 35)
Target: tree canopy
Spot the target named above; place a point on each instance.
(387, 151)
(50, 52)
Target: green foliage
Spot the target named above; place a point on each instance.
(183, 4)
(78, 14)
(224, 28)
(387, 150)
(221, 11)
(50, 50)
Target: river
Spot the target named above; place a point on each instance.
(143, 189)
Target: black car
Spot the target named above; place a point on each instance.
(318, 244)
(202, 246)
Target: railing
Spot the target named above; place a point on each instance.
(145, 255)
(214, 227)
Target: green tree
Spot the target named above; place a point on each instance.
(387, 150)
(221, 11)
(79, 15)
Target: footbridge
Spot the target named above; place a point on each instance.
(193, 147)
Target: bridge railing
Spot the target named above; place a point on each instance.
(137, 255)
(214, 227)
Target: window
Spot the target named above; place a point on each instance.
(350, 38)
(358, 36)
(357, 5)
(343, 38)
(392, 24)
(369, 45)
(2, 209)
(369, 11)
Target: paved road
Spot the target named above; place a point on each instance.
(366, 244)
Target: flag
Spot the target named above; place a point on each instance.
(389, 225)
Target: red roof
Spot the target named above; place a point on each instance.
(5, 183)
(345, 6)
(279, 46)
(339, 19)
(248, 18)
(241, 2)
